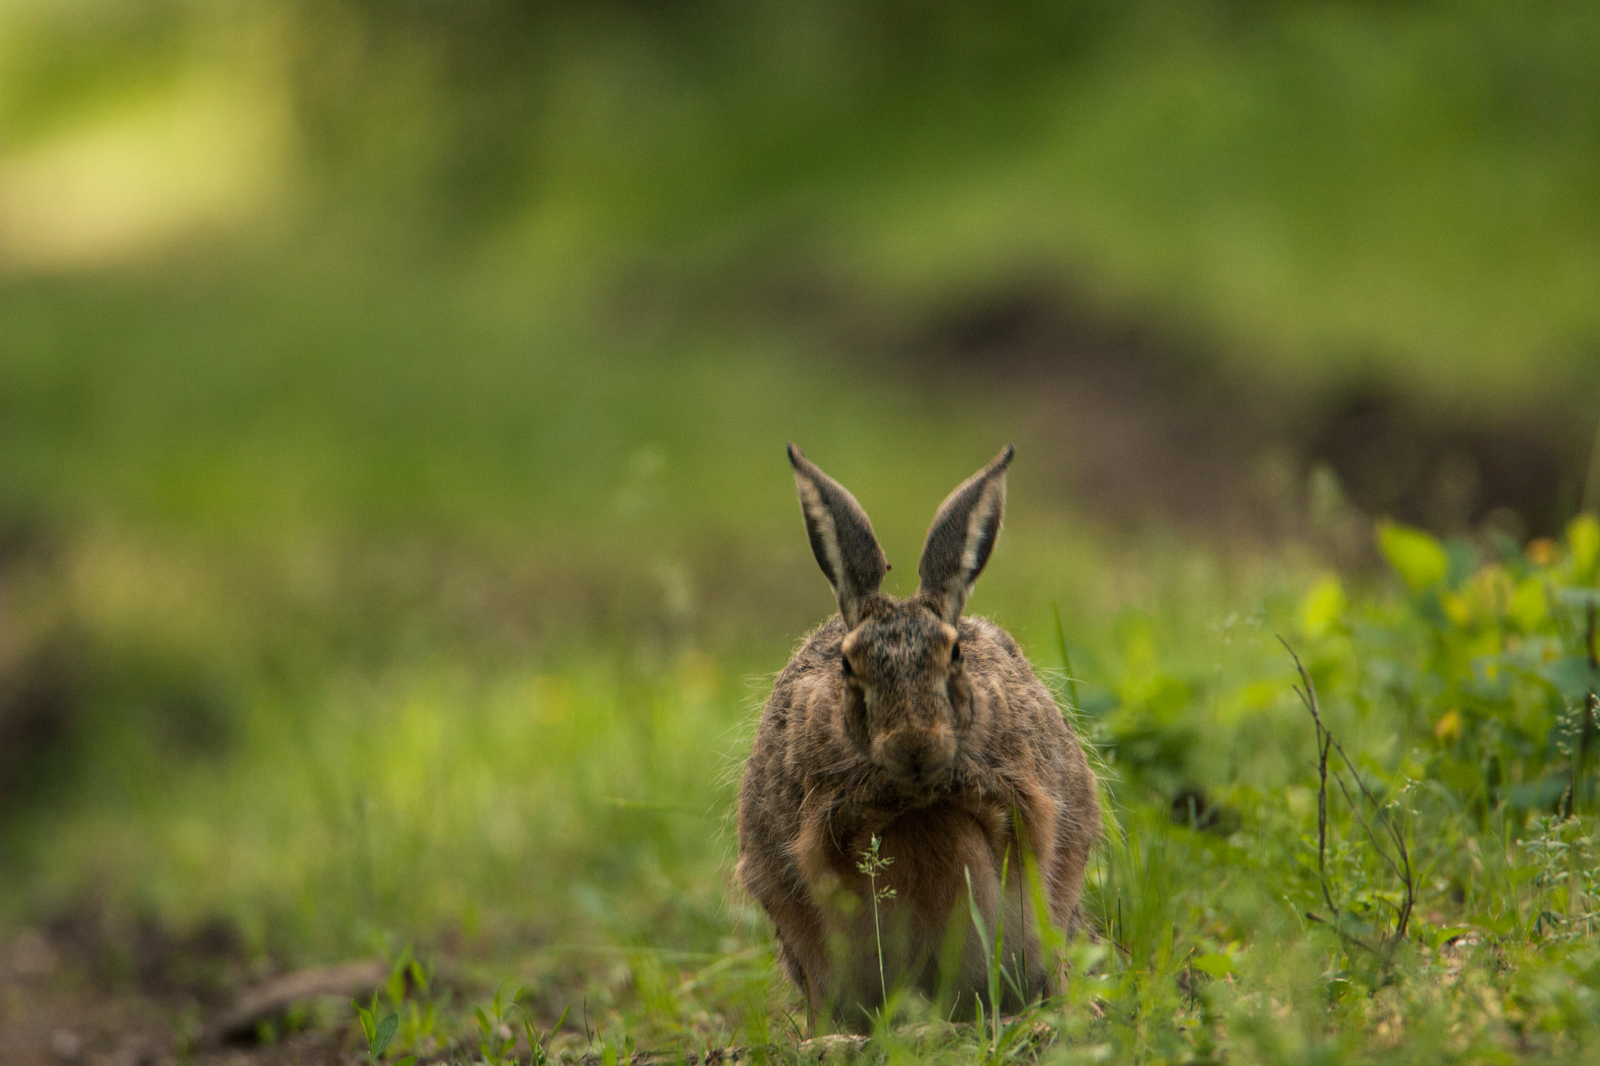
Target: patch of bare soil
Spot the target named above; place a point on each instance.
(77, 992)
(57, 1009)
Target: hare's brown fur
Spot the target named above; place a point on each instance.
(938, 740)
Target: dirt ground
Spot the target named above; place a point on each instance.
(60, 1004)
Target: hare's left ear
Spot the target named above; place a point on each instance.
(962, 536)
(841, 537)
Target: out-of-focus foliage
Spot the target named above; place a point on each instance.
(1343, 184)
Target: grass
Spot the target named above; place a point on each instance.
(563, 824)
(503, 731)
(403, 576)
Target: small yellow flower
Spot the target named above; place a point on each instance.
(1542, 552)
(1448, 727)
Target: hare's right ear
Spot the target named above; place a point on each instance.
(961, 537)
(841, 537)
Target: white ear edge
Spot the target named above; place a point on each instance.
(963, 535)
(827, 531)
(983, 526)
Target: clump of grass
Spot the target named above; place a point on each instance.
(993, 945)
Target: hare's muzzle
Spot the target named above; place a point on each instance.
(918, 757)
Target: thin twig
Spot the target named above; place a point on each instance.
(1309, 697)
(1322, 809)
(1399, 862)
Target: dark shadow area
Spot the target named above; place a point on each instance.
(1144, 422)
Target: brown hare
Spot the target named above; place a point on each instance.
(904, 722)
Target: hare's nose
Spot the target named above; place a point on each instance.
(915, 757)
(912, 762)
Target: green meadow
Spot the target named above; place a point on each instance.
(397, 543)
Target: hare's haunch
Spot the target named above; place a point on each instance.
(904, 723)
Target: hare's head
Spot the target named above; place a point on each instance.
(908, 700)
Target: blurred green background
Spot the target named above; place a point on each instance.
(395, 534)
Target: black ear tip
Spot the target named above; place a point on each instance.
(1004, 459)
(796, 457)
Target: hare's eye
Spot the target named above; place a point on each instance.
(955, 652)
(844, 665)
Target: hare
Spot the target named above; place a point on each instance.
(904, 733)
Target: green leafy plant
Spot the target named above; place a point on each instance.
(379, 1032)
(497, 1041)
